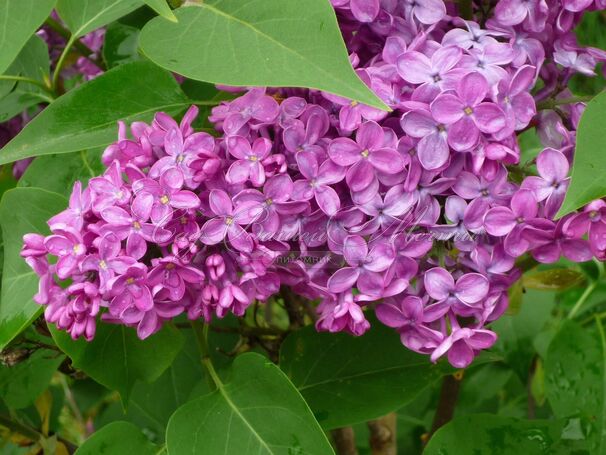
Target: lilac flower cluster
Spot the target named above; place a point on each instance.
(412, 212)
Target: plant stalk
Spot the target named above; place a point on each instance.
(383, 435)
(345, 441)
(449, 394)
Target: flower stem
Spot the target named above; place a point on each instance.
(206, 102)
(383, 437)
(31, 433)
(449, 394)
(552, 103)
(344, 441)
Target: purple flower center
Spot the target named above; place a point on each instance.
(468, 110)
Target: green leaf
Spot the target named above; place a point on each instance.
(87, 116)
(117, 358)
(19, 19)
(496, 435)
(553, 279)
(347, 379)
(257, 411)
(260, 43)
(162, 8)
(83, 16)
(32, 62)
(22, 210)
(117, 438)
(21, 384)
(517, 332)
(589, 166)
(537, 384)
(575, 379)
(15, 103)
(120, 45)
(59, 172)
(151, 405)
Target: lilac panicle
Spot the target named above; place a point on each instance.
(413, 213)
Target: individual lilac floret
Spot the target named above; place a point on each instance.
(466, 113)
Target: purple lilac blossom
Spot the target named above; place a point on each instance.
(412, 213)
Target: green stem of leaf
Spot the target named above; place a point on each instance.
(61, 62)
(577, 306)
(27, 80)
(553, 103)
(82, 48)
(201, 331)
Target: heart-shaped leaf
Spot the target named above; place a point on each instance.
(257, 411)
(375, 372)
(257, 42)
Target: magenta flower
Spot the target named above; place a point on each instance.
(531, 12)
(248, 166)
(181, 153)
(425, 11)
(79, 205)
(466, 114)
(551, 184)
(468, 290)
(108, 262)
(68, 246)
(591, 220)
(130, 290)
(407, 316)
(134, 228)
(409, 248)
(562, 243)
(299, 136)
(435, 72)
(75, 310)
(513, 221)
(462, 345)
(385, 212)
(364, 266)
(158, 199)
(472, 37)
(271, 205)
(255, 105)
(227, 222)
(515, 99)
(489, 61)
(344, 315)
(433, 150)
(110, 189)
(317, 181)
(368, 153)
(172, 275)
